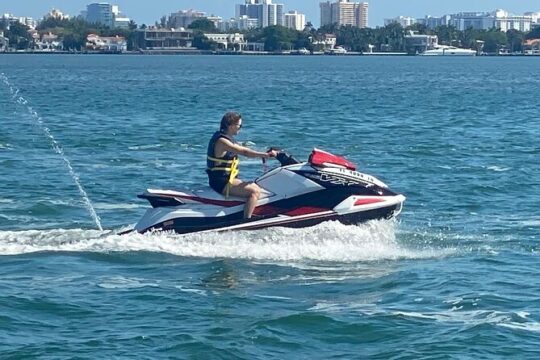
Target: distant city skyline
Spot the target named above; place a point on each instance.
(378, 9)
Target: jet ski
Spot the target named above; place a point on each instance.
(295, 194)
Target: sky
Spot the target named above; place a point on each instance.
(149, 12)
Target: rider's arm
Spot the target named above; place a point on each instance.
(227, 145)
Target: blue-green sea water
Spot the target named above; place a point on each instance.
(457, 276)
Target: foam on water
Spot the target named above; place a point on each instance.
(330, 241)
(108, 206)
(498, 168)
(531, 222)
(515, 320)
(121, 282)
(145, 147)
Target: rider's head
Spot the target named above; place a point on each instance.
(230, 118)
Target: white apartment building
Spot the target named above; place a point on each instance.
(242, 23)
(431, 22)
(216, 20)
(56, 14)
(106, 14)
(404, 21)
(266, 12)
(10, 19)
(475, 20)
(535, 16)
(344, 12)
(184, 18)
(506, 21)
(122, 22)
(28, 21)
(499, 19)
(521, 23)
(295, 20)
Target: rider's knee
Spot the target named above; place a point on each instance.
(255, 191)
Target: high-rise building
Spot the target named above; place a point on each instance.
(184, 18)
(344, 12)
(241, 23)
(56, 14)
(506, 21)
(431, 22)
(535, 16)
(100, 13)
(295, 20)
(499, 19)
(363, 11)
(105, 14)
(264, 11)
(326, 13)
(404, 21)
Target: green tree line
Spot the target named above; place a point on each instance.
(278, 38)
(388, 38)
(72, 31)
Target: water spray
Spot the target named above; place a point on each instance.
(16, 98)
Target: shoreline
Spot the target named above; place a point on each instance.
(237, 53)
(194, 52)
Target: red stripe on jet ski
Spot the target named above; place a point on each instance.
(367, 201)
(224, 203)
(305, 210)
(267, 210)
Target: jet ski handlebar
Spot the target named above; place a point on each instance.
(283, 157)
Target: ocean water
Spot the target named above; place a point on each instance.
(457, 276)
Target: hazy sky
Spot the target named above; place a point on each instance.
(150, 11)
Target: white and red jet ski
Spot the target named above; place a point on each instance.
(295, 194)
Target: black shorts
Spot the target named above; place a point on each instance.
(218, 183)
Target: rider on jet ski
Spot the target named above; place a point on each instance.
(222, 163)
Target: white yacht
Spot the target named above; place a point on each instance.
(338, 50)
(445, 50)
(301, 51)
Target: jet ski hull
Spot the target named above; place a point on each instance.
(326, 187)
(235, 222)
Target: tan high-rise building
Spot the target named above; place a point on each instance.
(344, 12)
(362, 15)
(295, 20)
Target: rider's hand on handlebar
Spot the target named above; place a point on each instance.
(272, 153)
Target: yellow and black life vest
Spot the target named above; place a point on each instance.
(225, 166)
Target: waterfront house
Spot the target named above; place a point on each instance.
(153, 38)
(531, 47)
(234, 42)
(327, 43)
(418, 43)
(4, 42)
(106, 44)
(48, 42)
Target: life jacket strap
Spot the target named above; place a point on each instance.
(232, 176)
(216, 160)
